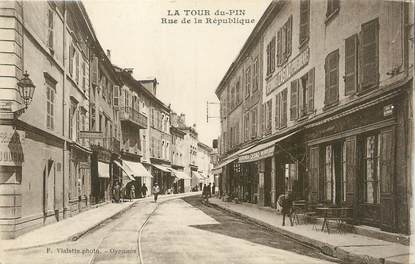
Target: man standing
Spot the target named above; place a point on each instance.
(213, 189)
(156, 190)
(209, 190)
(144, 190)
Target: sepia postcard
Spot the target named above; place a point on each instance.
(214, 131)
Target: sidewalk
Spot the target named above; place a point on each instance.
(349, 247)
(73, 227)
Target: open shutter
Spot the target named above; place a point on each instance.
(369, 49)
(262, 119)
(326, 83)
(269, 58)
(279, 47)
(310, 91)
(284, 107)
(71, 53)
(334, 77)
(304, 20)
(77, 67)
(350, 173)
(289, 36)
(294, 100)
(50, 28)
(350, 67)
(313, 174)
(94, 71)
(277, 110)
(300, 90)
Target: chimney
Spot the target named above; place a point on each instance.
(109, 54)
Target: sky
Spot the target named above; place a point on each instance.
(188, 59)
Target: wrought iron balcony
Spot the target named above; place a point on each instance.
(131, 115)
(111, 144)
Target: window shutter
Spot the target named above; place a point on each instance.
(77, 67)
(294, 100)
(326, 83)
(71, 52)
(350, 68)
(301, 87)
(262, 118)
(277, 110)
(332, 77)
(386, 160)
(369, 54)
(269, 115)
(94, 70)
(268, 58)
(284, 108)
(313, 183)
(289, 36)
(350, 174)
(50, 29)
(116, 95)
(304, 20)
(279, 47)
(310, 90)
(273, 54)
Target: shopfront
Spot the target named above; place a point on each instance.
(79, 178)
(358, 160)
(101, 183)
(162, 175)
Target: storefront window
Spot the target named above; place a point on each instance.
(371, 170)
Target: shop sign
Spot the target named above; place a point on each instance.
(388, 110)
(84, 165)
(91, 135)
(262, 154)
(11, 146)
(289, 70)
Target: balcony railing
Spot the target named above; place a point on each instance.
(111, 144)
(132, 115)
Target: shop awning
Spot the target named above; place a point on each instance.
(217, 170)
(137, 169)
(127, 171)
(180, 174)
(229, 159)
(262, 151)
(161, 167)
(103, 170)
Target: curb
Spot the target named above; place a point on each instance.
(325, 248)
(77, 235)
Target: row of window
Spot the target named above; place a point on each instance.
(160, 148)
(159, 120)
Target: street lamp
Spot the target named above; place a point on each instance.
(26, 91)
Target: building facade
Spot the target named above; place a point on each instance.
(336, 98)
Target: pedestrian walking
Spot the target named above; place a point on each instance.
(156, 191)
(132, 192)
(116, 192)
(286, 203)
(209, 190)
(205, 193)
(144, 190)
(213, 189)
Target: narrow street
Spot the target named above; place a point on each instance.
(177, 231)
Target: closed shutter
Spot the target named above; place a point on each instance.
(350, 67)
(369, 48)
(304, 21)
(350, 173)
(279, 47)
(50, 29)
(310, 90)
(313, 174)
(289, 29)
(294, 100)
(277, 110)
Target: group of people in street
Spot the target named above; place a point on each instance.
(120, 194)
(208, 191)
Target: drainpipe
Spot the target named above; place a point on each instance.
(65, 147)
